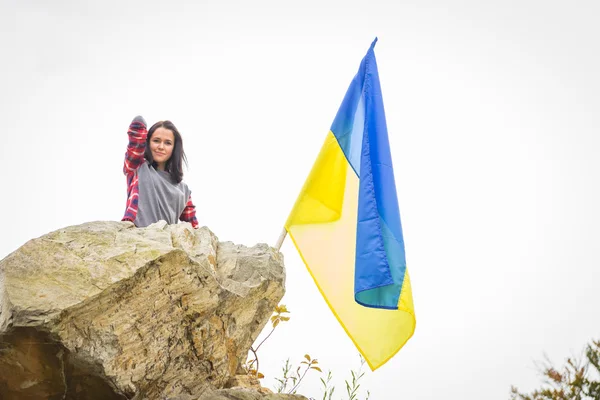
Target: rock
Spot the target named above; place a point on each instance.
(105, 310)
(246, 382)
(246, 394)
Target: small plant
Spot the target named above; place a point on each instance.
(282, 382)
(294, 379)
(352, 387)
(310, 364)
(291, 379)
(328, 389)
(278, 316)
(579, 379)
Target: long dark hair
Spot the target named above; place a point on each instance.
(174, 165)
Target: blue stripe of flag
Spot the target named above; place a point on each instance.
(361, 131)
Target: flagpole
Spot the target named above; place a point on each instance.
(281, 239)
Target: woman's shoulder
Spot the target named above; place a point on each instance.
(145, 165)
(184, 187)
(184, 184)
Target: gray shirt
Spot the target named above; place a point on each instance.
(159, 197)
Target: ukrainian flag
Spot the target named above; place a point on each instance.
(346, 225)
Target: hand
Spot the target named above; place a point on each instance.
(140, 119)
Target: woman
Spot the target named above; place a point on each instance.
(154, 170)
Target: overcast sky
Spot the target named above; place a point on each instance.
(493, 116)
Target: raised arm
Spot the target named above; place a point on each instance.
(189, 213)
(134, 156)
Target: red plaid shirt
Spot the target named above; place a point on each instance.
(134, 157)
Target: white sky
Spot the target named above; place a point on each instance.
(492, 111)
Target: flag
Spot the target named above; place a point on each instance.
(346, 224)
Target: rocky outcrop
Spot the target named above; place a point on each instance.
(105, 310)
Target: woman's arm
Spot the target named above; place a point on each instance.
(189, 213)
(134, 156)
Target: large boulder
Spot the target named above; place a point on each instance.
(105, 310)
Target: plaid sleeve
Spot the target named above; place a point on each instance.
(189, 213)
(134, 156)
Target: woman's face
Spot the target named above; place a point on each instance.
(161, 146)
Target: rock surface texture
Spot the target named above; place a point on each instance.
(105, 310)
